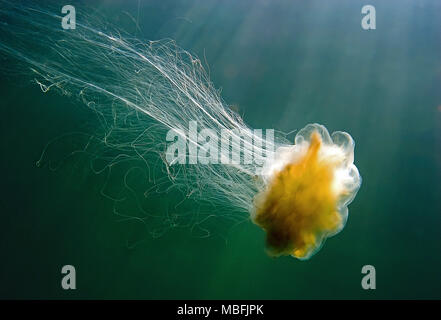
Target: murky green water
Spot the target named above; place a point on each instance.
(284, 64)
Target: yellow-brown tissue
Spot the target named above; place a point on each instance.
(308, 188)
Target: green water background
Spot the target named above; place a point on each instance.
(284, 64)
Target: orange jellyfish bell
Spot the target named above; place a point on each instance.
(308, 188)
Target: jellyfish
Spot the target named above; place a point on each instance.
(298, 193)
(308, 188)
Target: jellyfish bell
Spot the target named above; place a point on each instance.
(308, 188)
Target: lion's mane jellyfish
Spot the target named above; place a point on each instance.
(141, 90)
(309, 186)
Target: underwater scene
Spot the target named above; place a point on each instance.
(208, 149)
